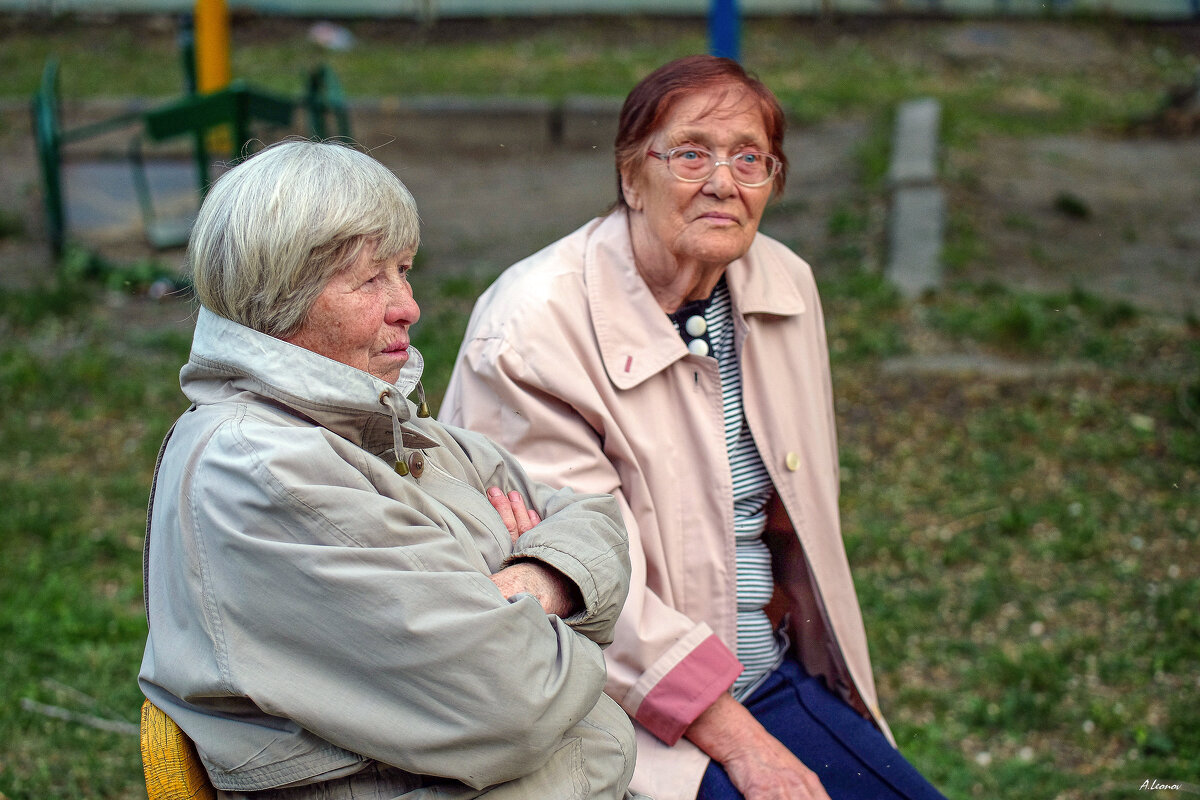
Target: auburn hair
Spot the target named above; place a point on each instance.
(654, 98)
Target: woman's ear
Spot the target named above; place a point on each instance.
(631, 192)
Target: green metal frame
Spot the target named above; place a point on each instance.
(324, 98)
(46, 135)
(238, 108)
(49, 138)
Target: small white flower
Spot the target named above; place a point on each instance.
(983, 758)
(1141, 422)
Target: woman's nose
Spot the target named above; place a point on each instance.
(721, 182)
(402, 306)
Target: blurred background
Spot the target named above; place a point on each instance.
(1001, 202)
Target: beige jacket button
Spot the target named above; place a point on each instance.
(416, 464)
(793, 462)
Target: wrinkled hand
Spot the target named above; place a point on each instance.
(557, 595)
(757, 763)
(511, 507)
(771, 772)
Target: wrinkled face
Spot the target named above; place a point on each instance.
(362, 316)
(714, 221)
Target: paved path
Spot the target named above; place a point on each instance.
(493, 184)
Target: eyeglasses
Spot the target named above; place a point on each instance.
(695, 164)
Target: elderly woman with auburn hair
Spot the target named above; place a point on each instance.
(670, 354)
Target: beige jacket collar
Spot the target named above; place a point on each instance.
(228, 357)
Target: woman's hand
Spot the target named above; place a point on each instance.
(511, 507)
(758, 764)
(556, 594)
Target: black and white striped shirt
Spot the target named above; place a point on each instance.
(758, 647)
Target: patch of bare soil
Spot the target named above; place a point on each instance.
(1114, 213)
(1117, 217)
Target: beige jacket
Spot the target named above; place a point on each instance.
(570, 363)
(321, 623)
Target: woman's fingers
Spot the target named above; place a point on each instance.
(513, 513)
(520, 512)
(502, 505)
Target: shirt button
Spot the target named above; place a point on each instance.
(793, 462)
(698, 347)
(696, 326)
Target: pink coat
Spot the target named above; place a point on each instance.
(570, 363)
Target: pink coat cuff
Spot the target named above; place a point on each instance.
(688, 689)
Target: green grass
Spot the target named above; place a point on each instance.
(84, 408)
(817, 69)
(1026, 558)
(1065, 325)
(1025, 551)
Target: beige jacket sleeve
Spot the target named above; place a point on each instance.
(664, 667)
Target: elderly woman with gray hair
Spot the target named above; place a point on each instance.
(335, 607)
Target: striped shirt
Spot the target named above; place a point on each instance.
(758, 647)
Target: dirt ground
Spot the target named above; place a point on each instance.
(1118, 215)
(1120, 218)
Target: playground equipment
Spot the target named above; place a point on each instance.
(227, 118)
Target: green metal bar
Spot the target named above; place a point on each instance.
(141, 183)
(201, 112)
(237, 106)
(47, 136)
(103, 126)
(186, 39)
(314, 102)
(324, 96)
(268, 108)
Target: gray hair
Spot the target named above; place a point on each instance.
(275, 228)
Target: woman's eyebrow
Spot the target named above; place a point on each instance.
(696, 136)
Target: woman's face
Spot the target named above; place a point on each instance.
(714, 221)
(362, 316)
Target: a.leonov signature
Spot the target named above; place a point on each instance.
(1152, 784)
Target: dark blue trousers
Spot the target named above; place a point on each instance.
(851, 757)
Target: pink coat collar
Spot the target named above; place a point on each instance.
(635, 337)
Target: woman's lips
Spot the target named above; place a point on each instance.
(397, 350)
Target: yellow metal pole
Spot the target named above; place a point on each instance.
(214, 68)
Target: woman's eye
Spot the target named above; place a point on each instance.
(750, 158)
(689, 155)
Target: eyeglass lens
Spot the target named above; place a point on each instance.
(692, 164)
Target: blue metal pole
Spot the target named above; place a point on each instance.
(724, 29)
